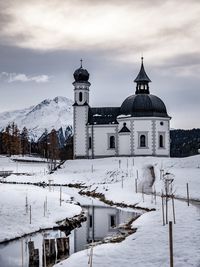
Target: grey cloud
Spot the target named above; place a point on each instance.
(21, 77)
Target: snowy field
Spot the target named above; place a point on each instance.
(15, 219)
(31, 168)
(115, 178)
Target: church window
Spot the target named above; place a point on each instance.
(90, 142)
(80, 96)
(112, 221)
(112, 141)
(161, 140)
(142, 140)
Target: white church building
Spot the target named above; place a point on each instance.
(139, 127)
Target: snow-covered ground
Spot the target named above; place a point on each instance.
(113, 175)
(15, 219)
(31, 168)
(115, 178)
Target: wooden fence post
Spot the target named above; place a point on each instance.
(60, 195)
(188, 198)
(119, 163)
(166, 209)
(44, 208)
(171, 244)
(136, 185)
(22, 247)
(163, 209)
(30, 214)
(173, 207)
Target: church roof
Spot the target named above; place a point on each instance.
(144, 105)
(105, 115)
(124, 129)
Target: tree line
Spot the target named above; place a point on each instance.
(184, 143)
(15, 142)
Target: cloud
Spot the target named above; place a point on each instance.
(159, 29)
(20, 77)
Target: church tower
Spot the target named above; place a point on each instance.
(81, 107)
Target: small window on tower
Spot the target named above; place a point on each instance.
(80, 96)
(161, 141)
(90, 142)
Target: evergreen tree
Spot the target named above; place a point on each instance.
(53, 147)
(24, 141)
(6, 140)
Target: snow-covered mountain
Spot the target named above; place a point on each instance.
(54, 113)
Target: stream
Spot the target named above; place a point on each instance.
(103, 222)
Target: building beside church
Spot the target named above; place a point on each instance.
(140, 127)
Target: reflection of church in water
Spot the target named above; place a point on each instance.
(102, 221)
(140, 127)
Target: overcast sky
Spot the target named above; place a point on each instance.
(42, 41)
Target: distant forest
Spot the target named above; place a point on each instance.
(184, 143)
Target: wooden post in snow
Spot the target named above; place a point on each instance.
(133, 161)
(44, 208)
(122, 181)
(46, 204)
(188, 198)
(60, 195)
(166, 209)
(163, 209)
(30, 214)
(155, 196)
(173, 208)
(22, 248)
(92, 168)
(26, 205)
(143, 193)
(136, 185)
(171, 244)
(119, 163)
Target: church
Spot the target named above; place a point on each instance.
(139, 127)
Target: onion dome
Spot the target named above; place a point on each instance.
(143, 105)
(81, 75)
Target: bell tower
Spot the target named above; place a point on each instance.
(81, 108)
(142, 81)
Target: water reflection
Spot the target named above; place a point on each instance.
(50, 247)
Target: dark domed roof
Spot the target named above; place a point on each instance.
(144, 105)
(81, 75)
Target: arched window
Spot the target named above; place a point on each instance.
(142, 140)
(161, 141)
(80, 96)
(112, 141)
(90, 142)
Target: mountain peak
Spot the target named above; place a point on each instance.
(48, 114)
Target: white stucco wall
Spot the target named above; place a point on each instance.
(162, 129)
(101, 135)
(80, 131)
(124, 146)
(102, 223)
(143, 126)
